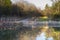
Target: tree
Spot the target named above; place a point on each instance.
(5, 6)
(53, 12)
(5, 2)
(28, 10)
(56, 10)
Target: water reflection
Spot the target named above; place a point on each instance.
(42, 36)
(17, 28)
(50, 38)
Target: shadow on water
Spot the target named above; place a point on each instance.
(19, 32)
(37, 34)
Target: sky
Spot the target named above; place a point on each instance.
(38, 3)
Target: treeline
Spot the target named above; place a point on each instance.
(19, 9)
(53, 12)
(25, 9)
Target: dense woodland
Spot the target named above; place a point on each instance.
(25, 9)
(54, 11)
(18, 9)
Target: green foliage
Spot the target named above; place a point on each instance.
(5, 7)
(28, 10)
(56, 28)
(5, 2)
(20, 10)
(54, 11)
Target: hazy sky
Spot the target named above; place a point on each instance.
(38, 3)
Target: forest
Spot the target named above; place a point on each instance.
(25, 9)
